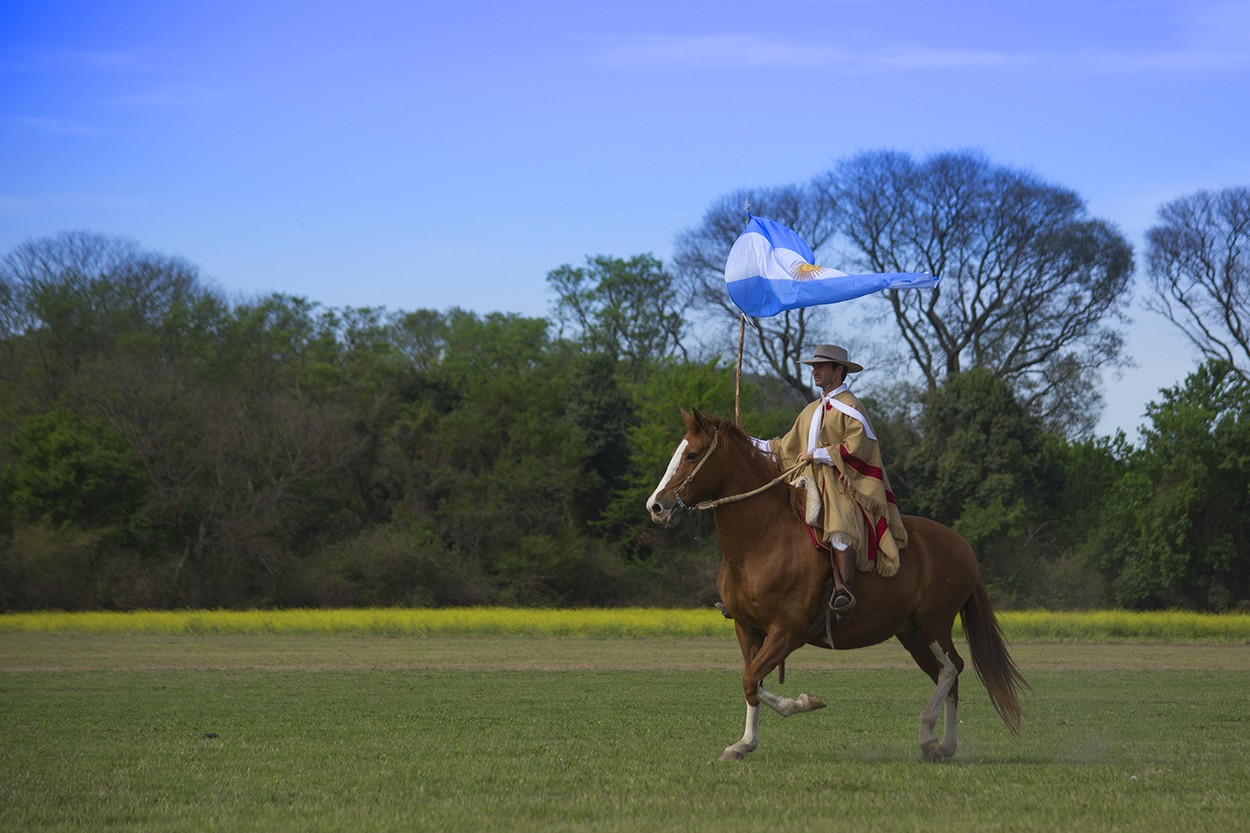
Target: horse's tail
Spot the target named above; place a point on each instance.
(993, 664)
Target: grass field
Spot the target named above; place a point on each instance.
(264, 731)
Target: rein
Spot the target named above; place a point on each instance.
(712, 504)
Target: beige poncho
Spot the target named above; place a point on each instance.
(851, 499)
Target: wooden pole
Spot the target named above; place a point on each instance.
(742, 332)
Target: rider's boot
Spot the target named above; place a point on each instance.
(842, 602)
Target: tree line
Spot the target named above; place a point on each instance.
(164, 446)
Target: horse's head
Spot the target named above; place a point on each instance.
(692, 475)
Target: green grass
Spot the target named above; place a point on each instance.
(108, 732)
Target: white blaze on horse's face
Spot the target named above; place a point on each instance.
(659, 512)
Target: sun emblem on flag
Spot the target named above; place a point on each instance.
(807, 271)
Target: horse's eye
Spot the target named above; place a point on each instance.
(692, 456)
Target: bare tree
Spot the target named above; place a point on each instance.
(73, 297)
(777, 343)
(1199, 266)
(1028, 281)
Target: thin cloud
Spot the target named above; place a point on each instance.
(923, 58)
(713, 51)
(100, 60)
(57, 127)
(169, 96)
(1215, 27)
(17, 205)
(1176, 60)
(752, 51)
(1206, 46)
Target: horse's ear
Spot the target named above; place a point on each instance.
(703, 421)
(687, 419)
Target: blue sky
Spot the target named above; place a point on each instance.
(414, 155)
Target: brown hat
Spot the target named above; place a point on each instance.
(835, 354)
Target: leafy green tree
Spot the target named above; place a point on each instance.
(68, 469)
(980, 467)
(1090, 471)
(1177, 532)
(625, 309)
(601, 411)
(657, 401)
(281, 342)
(501, 462)
(72, 514)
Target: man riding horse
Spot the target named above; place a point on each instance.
(849, 502)
(775, 585)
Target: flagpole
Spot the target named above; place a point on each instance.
(742, 331)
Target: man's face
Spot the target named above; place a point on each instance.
(824, 375)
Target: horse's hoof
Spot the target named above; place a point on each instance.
(929, 752)
(731, 754)
(815, 702)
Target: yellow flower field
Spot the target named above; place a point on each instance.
(1036, 626)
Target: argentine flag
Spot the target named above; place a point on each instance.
(770, 269)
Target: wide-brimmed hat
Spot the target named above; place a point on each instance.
(833, 353)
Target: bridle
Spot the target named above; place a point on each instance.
(681, 504)
(712, 504)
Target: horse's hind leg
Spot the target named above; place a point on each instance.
(946, 696)
(939, 659)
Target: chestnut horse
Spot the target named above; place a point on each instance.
(773, 583)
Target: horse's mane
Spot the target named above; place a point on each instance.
(730, 431)
(728, 427)
(734, 434)
(713, 424)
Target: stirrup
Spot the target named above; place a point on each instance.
(724, 611)
(842, 603)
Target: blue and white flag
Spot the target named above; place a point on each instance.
(770, 269)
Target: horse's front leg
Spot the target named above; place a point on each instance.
(762, 657)
(750, 737)
(749, 643)
(779, 645)
(786, 706)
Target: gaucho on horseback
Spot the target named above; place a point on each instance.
(774, 586)
(850, 506)
(771, 582)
